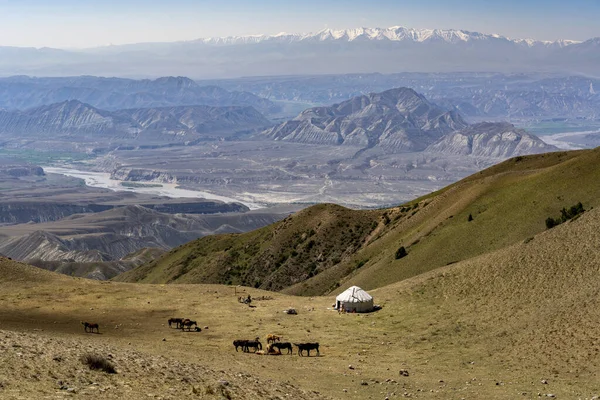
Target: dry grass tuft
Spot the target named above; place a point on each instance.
(97, 362)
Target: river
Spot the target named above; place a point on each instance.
(103, 180)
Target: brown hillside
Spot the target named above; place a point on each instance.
(18, 272)
(518, 322)
(529, 307)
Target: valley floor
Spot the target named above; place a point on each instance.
(448, 349)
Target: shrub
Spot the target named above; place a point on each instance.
(550, 223)
(401, 252)
(97, 362)
(470, 218)
(565, 215)
(386, 219)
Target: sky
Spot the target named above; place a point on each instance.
(91, 23)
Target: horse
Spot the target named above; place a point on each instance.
(283, 345)
(176, 321)
(308, 347)
(188, 323)
(273, 338)
(272, 350)
(255, 344)
(91, 327)
(240, 343)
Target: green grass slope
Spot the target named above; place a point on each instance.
(326, 246)
(508, 202)
(271, 258)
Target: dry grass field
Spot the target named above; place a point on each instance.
(519, 322)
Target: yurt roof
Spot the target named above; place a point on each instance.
(354, 294)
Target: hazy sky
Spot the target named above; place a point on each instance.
(87, 23)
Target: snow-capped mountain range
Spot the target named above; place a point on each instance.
(394, 33)
(362, 50)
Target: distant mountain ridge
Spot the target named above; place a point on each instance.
(74, 118)
(23, 92)
(487, 139)
(394, 33)
(361, 50)
(404, 120)
(399, 119)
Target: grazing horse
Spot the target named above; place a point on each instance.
(91, 327)
(272, 338)
(255, 344)
(308, 347)
(283, 345)
(176, 321)
(188, 323)
(240, 343)
(272, 350)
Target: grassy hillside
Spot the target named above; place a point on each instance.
(508, 203)
(518, 322)
(271, 258)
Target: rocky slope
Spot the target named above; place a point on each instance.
(68, 117)
(99, 270)
(136, 375)
(74, 119)
(403, 120)
(115, 233)
(397, 119)
(500, 140)
(199, 119)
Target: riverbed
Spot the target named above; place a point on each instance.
(103, 180)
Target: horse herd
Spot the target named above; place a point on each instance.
(274, 346)
(274, 343)
(182, 323)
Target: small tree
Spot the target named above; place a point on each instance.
(470, 218)
(550, 223)
(401, 252)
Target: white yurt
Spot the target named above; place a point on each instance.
(354, 299)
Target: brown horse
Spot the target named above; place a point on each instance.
(188, 323)
(91, 327)
(176, 321)
(272, 338)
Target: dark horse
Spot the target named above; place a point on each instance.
(188, 323)
(240, 343)
(308, 347)
(176, 321)
(91, 327)
(284, 345)
(255, 344)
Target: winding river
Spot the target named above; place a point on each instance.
(103, 180)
